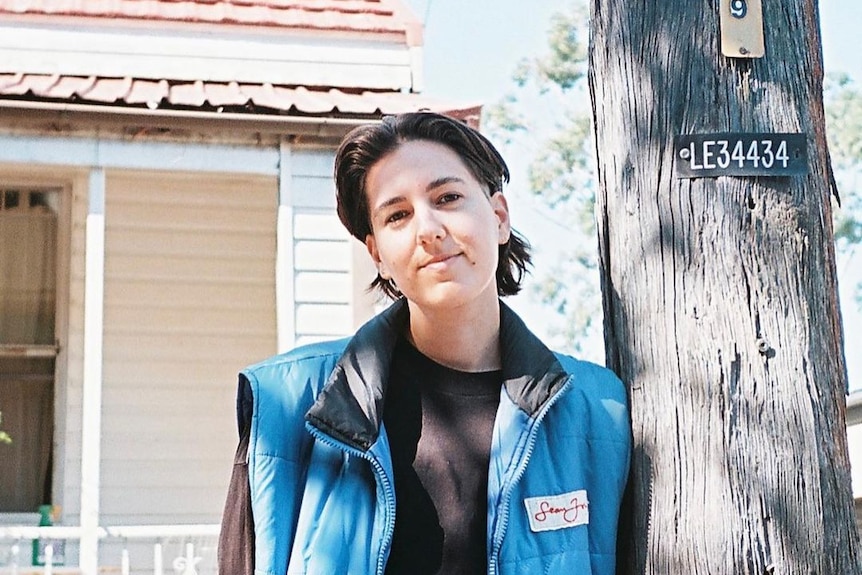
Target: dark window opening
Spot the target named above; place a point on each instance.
(28, 275)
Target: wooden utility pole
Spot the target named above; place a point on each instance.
(719, 286)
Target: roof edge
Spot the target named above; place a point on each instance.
(57, 113)
(382, 17)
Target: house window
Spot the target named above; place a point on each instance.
(28, 275)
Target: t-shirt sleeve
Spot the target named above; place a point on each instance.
(236, 539)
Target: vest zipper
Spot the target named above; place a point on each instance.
(502, 524)
(388, 491)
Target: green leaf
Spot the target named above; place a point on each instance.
(4, 437)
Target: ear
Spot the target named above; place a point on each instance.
(371, 246)
(501, 210)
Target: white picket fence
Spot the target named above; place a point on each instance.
(193, 548)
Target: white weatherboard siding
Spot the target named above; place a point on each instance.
(854, 444)
(854, 448)
(189, 300)
(323, 254)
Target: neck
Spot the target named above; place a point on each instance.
(466, 340)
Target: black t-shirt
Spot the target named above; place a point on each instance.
(439, 422)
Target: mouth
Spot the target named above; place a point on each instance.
(439, 262)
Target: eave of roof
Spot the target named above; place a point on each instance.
(27, 92)
(214, 97)
(254, 106)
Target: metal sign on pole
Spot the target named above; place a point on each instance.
(741, 23)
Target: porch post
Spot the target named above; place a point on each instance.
(91, 428)
(285, 296)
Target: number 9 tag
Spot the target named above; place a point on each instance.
(738, 8)
(741, 28)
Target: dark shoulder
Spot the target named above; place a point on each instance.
(274, 395)
(292, 379)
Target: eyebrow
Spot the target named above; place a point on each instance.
(442, 182)
(433, 185)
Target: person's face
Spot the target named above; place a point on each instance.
(435, 231)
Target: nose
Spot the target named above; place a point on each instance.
(429, 228)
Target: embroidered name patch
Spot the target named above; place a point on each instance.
(558, 511)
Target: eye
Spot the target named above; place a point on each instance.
(449, 197)
(396, 216)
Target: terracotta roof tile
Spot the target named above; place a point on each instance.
(66, 86)
(263, 99)
(188, 94)
(375, 16)
(13, 84)
(266, 95)
(365, 16)
(225, 94)
(40, 85)
(148, 92)
(120, 85)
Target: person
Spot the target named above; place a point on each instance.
(443, 437)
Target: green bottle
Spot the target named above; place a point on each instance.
(39, 544)
(46, 519)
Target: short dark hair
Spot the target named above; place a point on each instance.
(366, 145)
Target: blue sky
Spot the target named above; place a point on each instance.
(472, 47)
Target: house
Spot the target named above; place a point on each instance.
(854, 448)
(167, 217)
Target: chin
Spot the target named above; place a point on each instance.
(450, 296)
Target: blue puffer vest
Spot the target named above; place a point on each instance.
(322, 494)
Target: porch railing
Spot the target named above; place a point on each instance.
(193, 548)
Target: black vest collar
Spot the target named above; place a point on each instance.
(350, 406)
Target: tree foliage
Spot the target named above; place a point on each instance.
(843, 102)
(561, 167)
(547, 118)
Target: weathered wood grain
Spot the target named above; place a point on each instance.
(720, 298)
